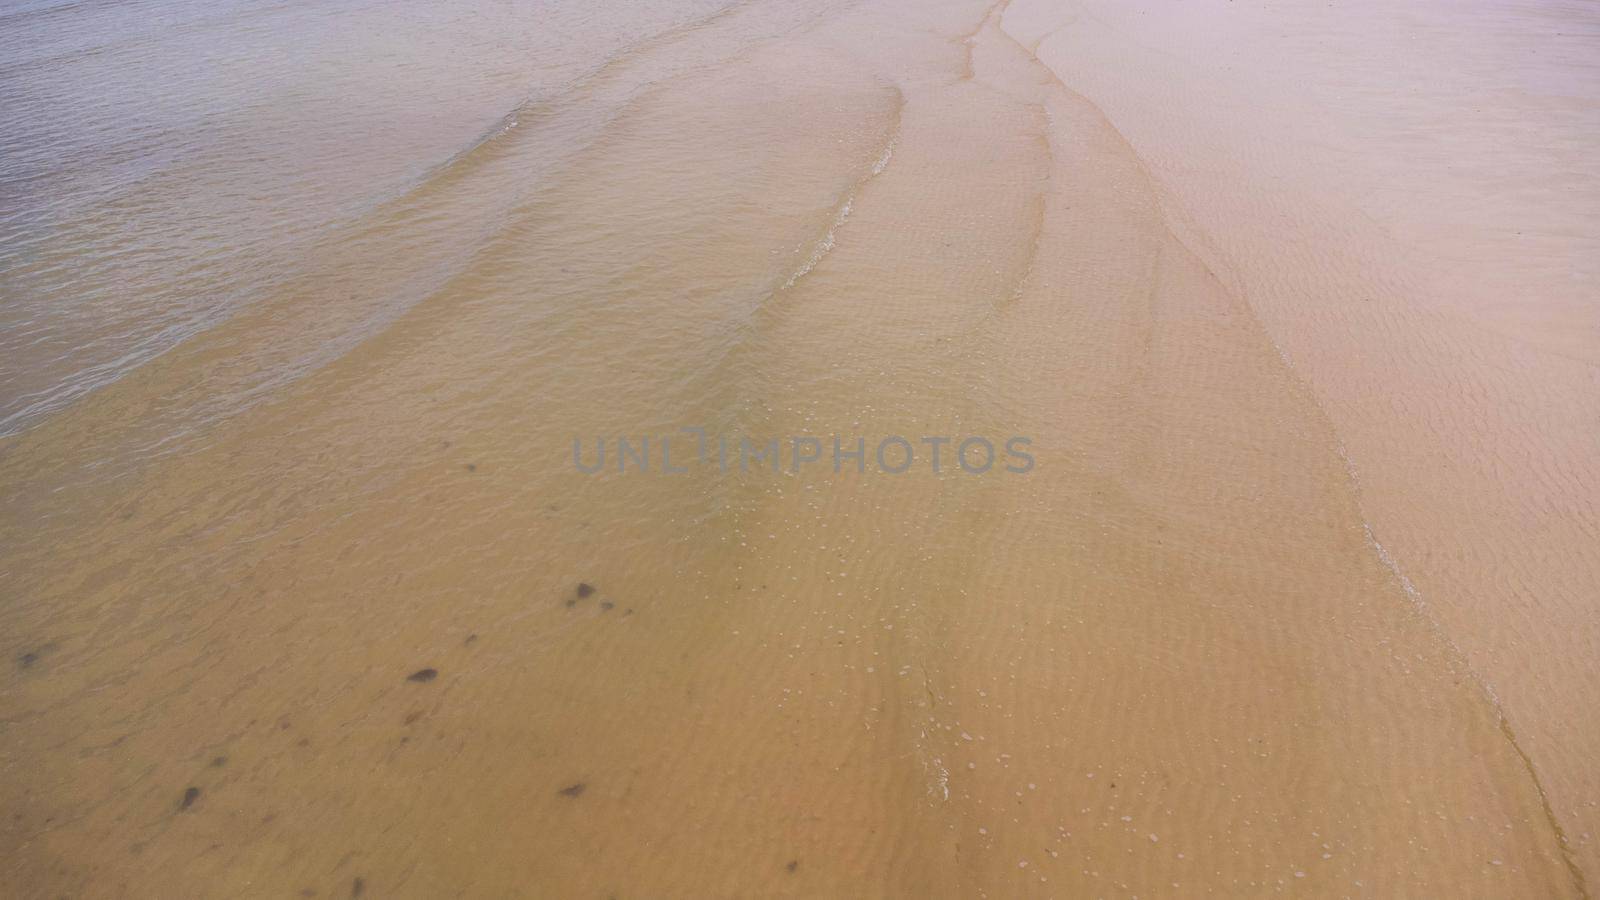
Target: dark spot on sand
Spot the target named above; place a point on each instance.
(307, 892)
(421, 675)
(471, 639)
(606, 604)
(358, 887)
(219, 762)
(628, 612)
(304, 742)
(573, 790)
(28, 659)
(585, 589)
(412, 717)
(472, 467)
(793, 864)
(189, 797)
(571, 603)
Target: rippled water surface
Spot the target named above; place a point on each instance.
(303, 307)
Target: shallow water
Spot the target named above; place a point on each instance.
(305, 306)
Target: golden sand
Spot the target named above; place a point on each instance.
(1299, 597)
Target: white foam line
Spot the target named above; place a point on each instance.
(823, 246)
(883, 161)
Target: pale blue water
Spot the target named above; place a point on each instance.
(165, 163)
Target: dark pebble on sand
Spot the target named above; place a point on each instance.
(606, 604)
(219, 761)
(585, 589)
(189, 797)
(793, 864)
(423, 675)
(573, 790)
(27, 659)
(358, 887)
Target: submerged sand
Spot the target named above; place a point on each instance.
(1299, 597)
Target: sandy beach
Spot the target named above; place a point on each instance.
(1279, 323)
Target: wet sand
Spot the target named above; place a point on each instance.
(1298, 598)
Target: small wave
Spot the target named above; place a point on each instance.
(883, 161)
(825, 244)
(822, 246)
